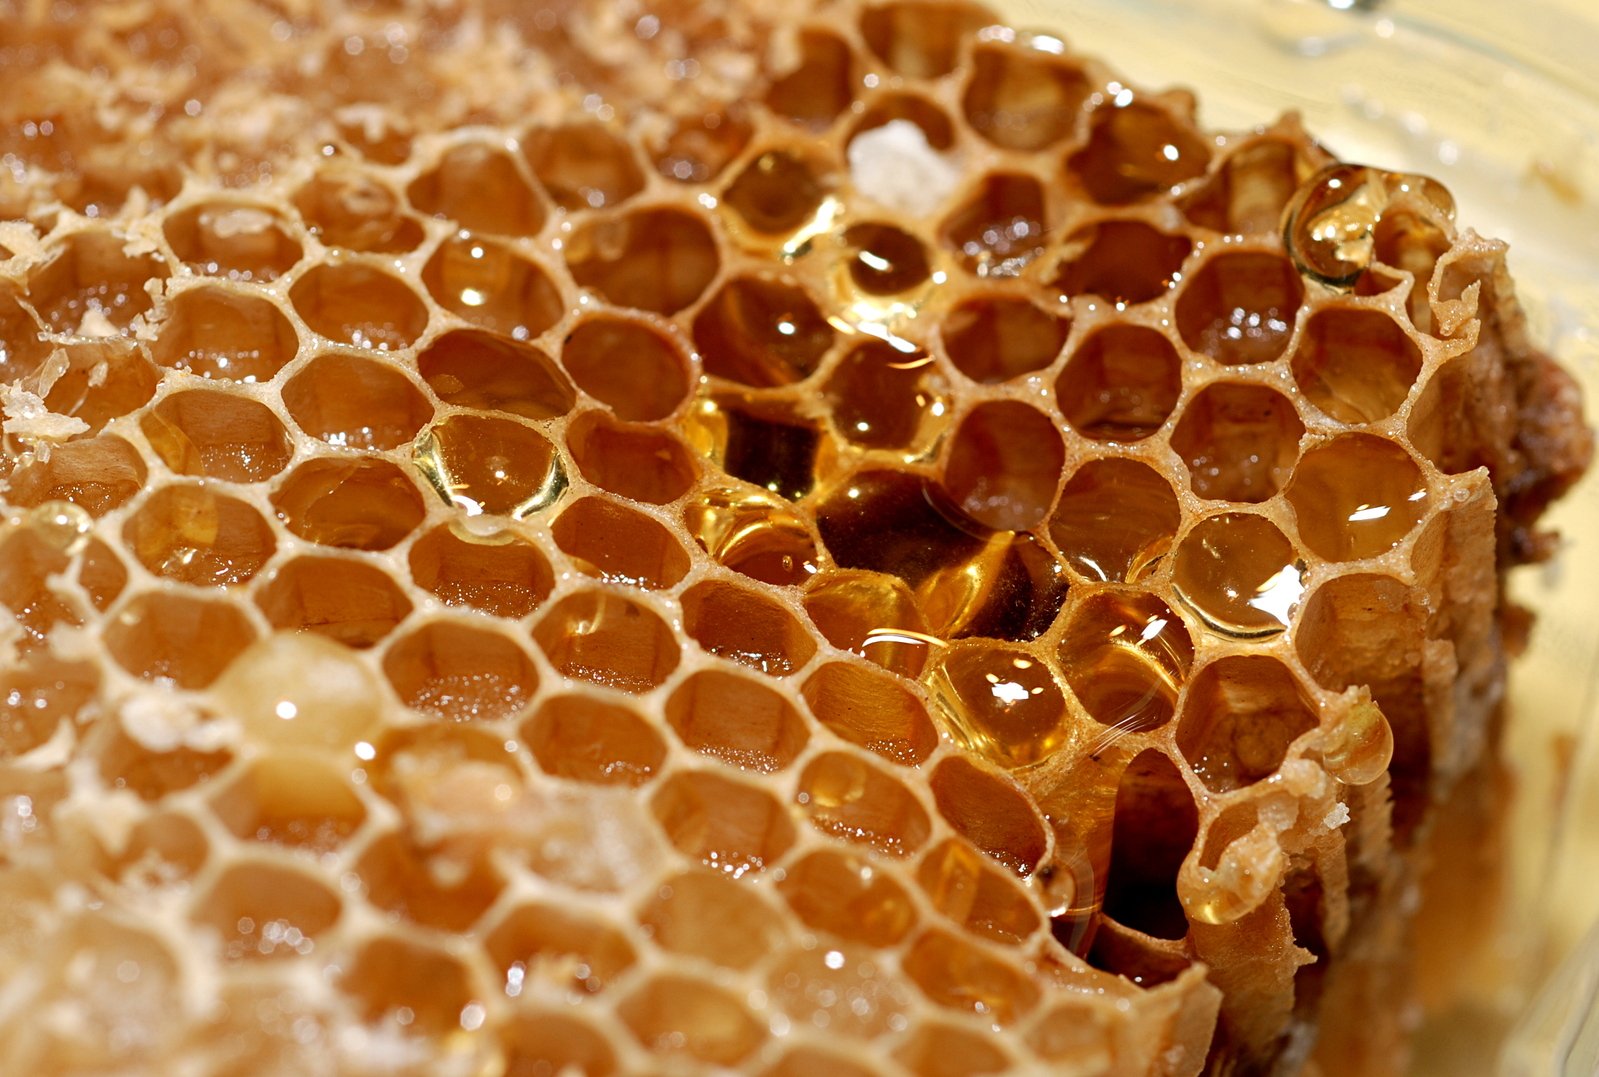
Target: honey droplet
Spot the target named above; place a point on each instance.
(1330, 225)
(1360, 746)
(490, 466)
(1000, 702)
(1239, 574)
(61, 524)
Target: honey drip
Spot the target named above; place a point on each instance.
(1330, 225)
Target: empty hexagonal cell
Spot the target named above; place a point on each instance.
(873, 709)
(1001, 702)
(344, 206)
(776, 193)
(850, 799)
(196, 535)
(359, 503)
(689, 1018)
(994, 338)
(970, 891)
(481, 370)
(881, 398)
(591, 740)
(163, 849)
(218, 435)
(232, 239)
(221, 334)
(1356, 364)
(1156, 823)
(400, 878)
(638, 372)
(820, 85)
(991, 812)
(1248, 192)
(1241, 714)
(264, 911)
(1120, 384)
(725, 824)
(91, 284)
(104, 380)
(1240, 308)
(848, 895)
(1123, 262)
(653, 259)
(37, 694)
(490, 285)
(356, 403)
(502, 574)
(485, 465)
(612, 542)
(637, 462)
(546, 945)
(999, 227)
(609, 639)
(166, 636)
(346, 600)
(359, 304)
(583, 165)
(885, 260)
(761, 332)
(1239, 574)
(421, 987)
(737, 623)
(960, 975)
(124, 763)
(736, 719)
(1114, 519)
(754, 534)
(1004, 465)
(101, 574)
(1357, 496)
(1137, 150)
(696, 147)
(937, 1050)
(1021, 97)
(1240, 441)
(537, 1043)
(298, 800)
(707, 915)
(1125, 655)
(921, 39)
(460, 673)
(479, 188)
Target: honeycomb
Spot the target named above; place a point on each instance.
(617, 539)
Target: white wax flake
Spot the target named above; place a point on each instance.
(28, 418)
(894, 165)
(1337, 817)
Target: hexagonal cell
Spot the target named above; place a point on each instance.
(27, 561)
(539, 1043)
(266, 911)
(631, 368)
(357, 503)
(124, 763)
(736, 719)
(689, 1018)
(353, 303)
(399, 878)
(991, 812)
(921, 39)
(959, 975)
(424, 988)
(218, 435)
(770, 444)
(609, 639)
(583, 165)
(1248, 192)
(971, 892)
(502, 574)
(101, 574)
(482, 464)
(776, 193)
(820, 86)
(1240, 441)
(1239, 574)
(937, 1050)
(737, 623)
(21, 350)
(636, 462)
(872, 614)
(37, 694)
(881, 398)
(590, 740)
(698, 146)
(885, 260)
(725, 824)
(1120, 384)
(1241, 714)
(1357, 496)
(612, 542)
(998, 228)
(1137, 150)
(1123, 262)
(491, 286)
(1114, 520)
(935, 125)
(761, 332)
(1021, 97)
(551, 946)
(707, 915)
(164, 849)
(298, 800)
(344, 206)
(1240, 307)
(221, 334)
(1004, 465)
(97, 475)
(847, 991)
(356, 403)
(755, 535)
(459, 673)
(300, 692)
(90, 285)
(872, 709)
(484, 371)
(1000, 702)
(1125, 655)
(195, 535)
(346, 600)
(852, 800)
(479, 188)
(850, 896)
(232, 239)
(1156, 823)
(655, 259)
(1356, 364)
(994, 338)
(165, 636)
(104, 380)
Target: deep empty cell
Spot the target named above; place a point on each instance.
(1120, 384)
(389, 976)
(486, 465)
(1125, 655)
(1004, 465)
(1021, 97)
(696, 148)
(1136, 151)
(1356, 364)
(1240, 308)
(232, 239)
(706, 915)
(754, 534)
(90, 282)
(881, 398)
(105, 379)
(266, 911)
(478, 187)
(583, 165)
(999, 227)
(356, 403)
(851, 895)
(482, 370)
(852, 800)
(1357, 496)
(193, 534)
(885, 260)
(608, 639)
(1121, 261)
(871, 613)
(1248, 192)
(1442, 422)
(655, 259)
(358, 503)
(344, 206)
(167, 636)
(1240, 441)
(735, 622)
(921, 39)
(691, 1019)
(636, 462)
(460, 673)
(1240, 574)
(217, 333)
(555, 1042)
(874, 709)
(217, 435)
(1001, 702)
(993, 338)
(347, 600)
(608, 540)
(488, 284)
(959, 975)
(1413, 242)
(775, 193)
(354, 303)
(545, 944)
(990, 812)
(592, 740)
(761, 332)
(1241, 714)
(1155, 827)
(635, 370)
(97, 475)
(935, 124)
(293, 800)
(820, 85)
(725, 824)
(503, 573)
(975, 894)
